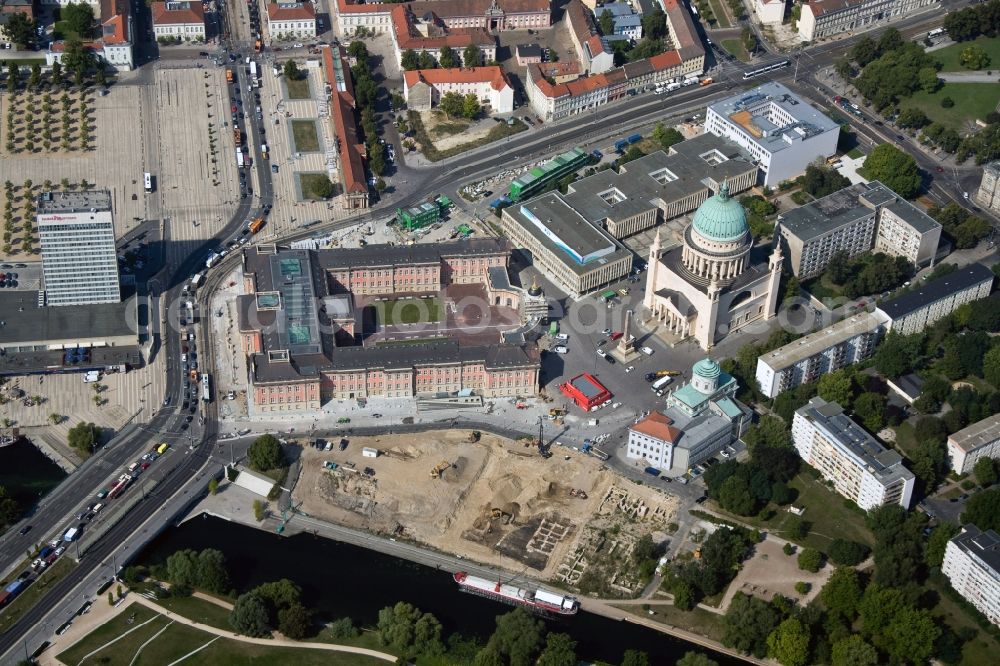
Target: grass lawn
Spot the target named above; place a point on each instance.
(198, 610)
(824, 508)
(972, 101)
(311, 184)
(906, 440)
(978, 650)
(297, 88)
(35, 591)
(948, 56)
(735, 47)
(367, 639)
(822, 288)
(697, 620)
(721, 18)
(305, 135)
(409, 311)
(855, 153)
(122, 651)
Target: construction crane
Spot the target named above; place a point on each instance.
(441, 467)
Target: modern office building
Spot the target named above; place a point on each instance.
(988, 194)
(854, 220)
(979, 440)
(930, 301)
(77, 234)
(821, 19)
(860, 468)
(972, 565)
(701, 417)
(717, 281)
(779, 129)
(801, 361)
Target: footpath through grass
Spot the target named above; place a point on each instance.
(34, 592)
(117, 627)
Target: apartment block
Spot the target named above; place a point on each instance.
(827, 18)
(854, 220)
(972, 565)
(988, 194)
(979, 440)
(847, 342)
(926, 303)
(858, 466)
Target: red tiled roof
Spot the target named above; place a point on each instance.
(665, 60)
(188, 12)
(339, 52)
(408, 38)
(114, 20)
(302, 11)
(688, 43)
(659, 426)
(586, 84)
(820, 7)
(450, 8)
(349, 146)
(493, 75)
(561, 68)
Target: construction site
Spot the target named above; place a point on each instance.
(483, 497)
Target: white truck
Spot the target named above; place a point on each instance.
(71, 534)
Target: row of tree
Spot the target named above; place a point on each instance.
(867, 273)
(975, 21)
(366, 92)
(964, 228)
(447, 58)
(691, 580)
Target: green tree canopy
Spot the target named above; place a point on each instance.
(407, 629)
(448, 58)
(910, 636)
(518, 637)
(853, 651)
(654, 24)
(896, 169)
(842, 593)
(83, 437)
(294, 621)
(470, 106)
(640, 658)
(837, 387)
(79, 17)
(560, 650)
(410, 60)
(985, 471)
(265, 453)
(937, 542)
(471, 56)
(694, 659)
(358, 50)
(789, 643)
(869, 407)
(212, 572)
(606, 22)
(20, 29)
(991, 366)
(666, 136)
(747, 624)
(249, 616)
(452, 104)
(426, 60)
(983, 510)
(848, 553)
(974, 56)
(810, 560)
(292, 71)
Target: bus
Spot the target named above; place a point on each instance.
(661, 384)
(148, 178)
(749, 74)
(206, 391)
(936, 32)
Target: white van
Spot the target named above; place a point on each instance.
(91, 377)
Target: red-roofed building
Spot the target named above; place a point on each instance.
(26, 7)
(423, 88)
(591, 50)
(115, 42)
(180, 19)
(586, 391)
(653, 439)
(427, 33)
(490, 15)
(291, 20)
(350, 149)
(684, 36)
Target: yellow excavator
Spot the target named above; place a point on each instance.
(439, 469)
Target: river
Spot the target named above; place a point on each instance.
(341, 580)
(27, 473)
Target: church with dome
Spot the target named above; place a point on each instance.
(716, 281)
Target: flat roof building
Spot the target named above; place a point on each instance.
(79, 261)
(979, 440)
(860, 468)
(586, 391)
(972, 565)
(856, 219)
(779, 129)
(801, 361)
(930, 301)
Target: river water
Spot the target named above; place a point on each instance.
(27, 473)
(341, 580)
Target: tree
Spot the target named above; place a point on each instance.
(910, 635)
(983, 510)
(853, 651)
(249, 616)
(447, 57)
(913, 118)
(693, 659)
(870, 408)
(654, 24)
(265, 453)
(426, 61)
(212, 573)
(749, 40)
(83, 437)
(929, 81)
(470, 106)
(864, 51)
(897, 354)
(896, 169)
(747, 624)
(410, 61)
(259, 510)
(291, 70)
(848, 553)
(452, 103)
(471, 56)
(56, 73)
(810, 560)
(640, 658)
(358, 50)
(937, 542)
(407, 629)
(789, 643)
(837, 387)
(842, 593)
(518, 637)
(985, 471)
(343, 628)
(294, 621)
(974, 56)
(666, 136)
(735, 496)
(606, 23)
(182, 570)
(101, 77)
(79, 17)
(213, 486)
(20, 29)
(560, 650)
(991, 366)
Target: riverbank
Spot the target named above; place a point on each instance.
(233, 504)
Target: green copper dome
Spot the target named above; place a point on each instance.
(707, 368)
(721, 218)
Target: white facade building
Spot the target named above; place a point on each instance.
(979, 440)
(422, 89)
(801, 361)
(291, 20)
(180, 19)
(972, 565)
(77, 234)
(769, 12)
(917, 309)
(826, 18)
(777, 127)
(860, 468)
(854, 220)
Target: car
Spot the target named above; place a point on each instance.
(609, 359)
(274, 168)
(184, 358)
(616, 335)
(24, 530)
(724, 454)
(616, 405)
(901, 137)
(144, 466)
(648, 351)
(701, 500)
(560, 349)
(601, 343)
(629, 369)
(607, 331)
(376, 416)
(343, 445)
(939, 169)
(602, 353)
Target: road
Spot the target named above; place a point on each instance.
(187, 473)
